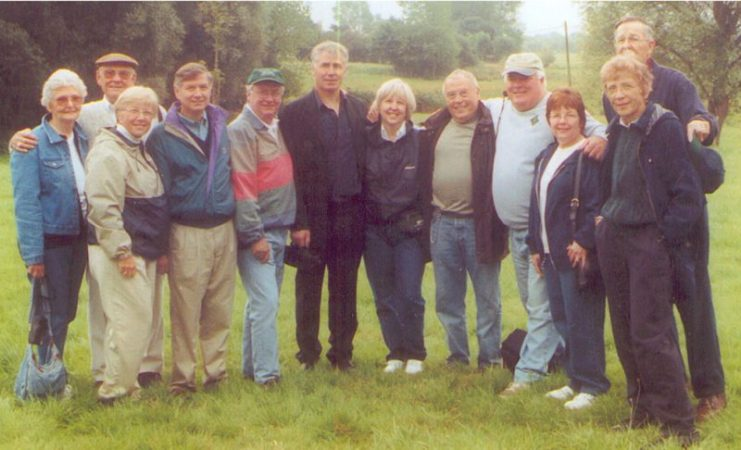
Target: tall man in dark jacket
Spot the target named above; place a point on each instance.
(674, 91)
(324, 133)
(455, 163)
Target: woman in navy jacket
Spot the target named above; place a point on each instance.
(394, 256)
(559, 247)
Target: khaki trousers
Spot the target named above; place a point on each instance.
(128, 307)
(201, 276)
(155, 353)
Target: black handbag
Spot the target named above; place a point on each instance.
(588, 273)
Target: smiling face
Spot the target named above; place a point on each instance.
(524, 91)
(565, 125)
(626, 95)
(328, 71)
(194, 96)
(65, 104)
(136, 117)
(462, 97)
(114, 79)
(264, 99)
(393, 110)
(631, 39)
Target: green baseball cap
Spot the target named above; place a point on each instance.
(266, 74)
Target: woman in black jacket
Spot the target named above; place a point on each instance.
(561, 241)
(394, 258)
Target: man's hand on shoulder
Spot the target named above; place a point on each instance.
(22, 141)
(595, 147)
(699, 128)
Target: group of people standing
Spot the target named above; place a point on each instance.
(186, 193)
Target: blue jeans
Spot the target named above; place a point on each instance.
(579, 317)
(395, 275)
(262, 282)
(453, 248)
(542, 338)
(65, 266)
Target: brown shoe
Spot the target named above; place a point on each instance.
(710, 406)
(147, 379)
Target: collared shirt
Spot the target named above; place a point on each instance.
(399, 134)
(336, 136)
(271, 127)
(199, 128)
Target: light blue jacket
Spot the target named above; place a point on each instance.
(44, 191)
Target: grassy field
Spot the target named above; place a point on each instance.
(440, 408)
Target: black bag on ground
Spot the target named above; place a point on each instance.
(512, 345)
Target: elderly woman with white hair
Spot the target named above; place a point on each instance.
(50, 205)
(128, 212)
(394, 252)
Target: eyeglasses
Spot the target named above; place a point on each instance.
(140, 113)
(123, 74)
(64, 99)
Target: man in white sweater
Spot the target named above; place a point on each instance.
(522, 132)
(114, 73)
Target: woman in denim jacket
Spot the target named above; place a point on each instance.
(49, 199)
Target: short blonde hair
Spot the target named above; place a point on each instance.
(396, 88)
(627, 64)
(59, 79)
(137, 94)
(332, 47)
(460, 73)
(191, 71)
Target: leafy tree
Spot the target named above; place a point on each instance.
(702, 39)
(353, 24)
(289, 33)
(22, 69)
(492, 25)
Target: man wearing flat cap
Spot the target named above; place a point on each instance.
(114, 73)
(522, 132)
(262, 178)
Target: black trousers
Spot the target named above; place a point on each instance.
(637, 272)
(698, 317)
(342, 254)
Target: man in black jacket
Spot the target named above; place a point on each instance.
(324, 133)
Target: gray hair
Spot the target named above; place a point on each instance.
(460, 73)
(59, 79)
(648, 32)
(334, 48)
(137, 94)
(396, 88)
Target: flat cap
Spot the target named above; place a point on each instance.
(116, 58)
(266, 74)
(527, 64)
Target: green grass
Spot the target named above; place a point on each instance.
(441, 408)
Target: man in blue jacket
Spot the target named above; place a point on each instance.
(191, 149)
(672, 90)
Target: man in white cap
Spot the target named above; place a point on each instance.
(522, 132)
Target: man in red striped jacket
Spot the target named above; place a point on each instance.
(262, 176)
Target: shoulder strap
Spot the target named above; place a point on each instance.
(574, 205)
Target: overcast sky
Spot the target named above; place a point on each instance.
(537, 16)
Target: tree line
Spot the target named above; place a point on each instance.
(703, 39)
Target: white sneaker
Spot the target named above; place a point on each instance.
(414, 366)
(514, 388)
(562, 394)
(581, 401)
(392, 365)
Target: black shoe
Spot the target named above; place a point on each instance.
(634, 422)
(308, 365)
(147, 379)
(270, 383)
(343, 366)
